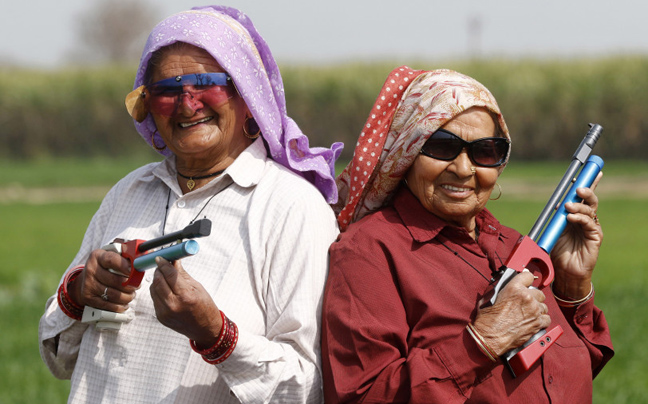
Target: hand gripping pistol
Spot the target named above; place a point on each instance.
(142, 254)
(532, 251)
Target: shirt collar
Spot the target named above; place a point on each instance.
(245, 171)
(248, 168)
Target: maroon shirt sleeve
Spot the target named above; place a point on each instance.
(364, 328)
(591, 327)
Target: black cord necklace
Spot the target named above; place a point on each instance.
(166, 213)
(464, 260)
(191, 183)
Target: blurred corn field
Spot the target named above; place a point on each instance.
(546, 103)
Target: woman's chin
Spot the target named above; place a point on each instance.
(195, 138)
(193, 149)
(457, 213)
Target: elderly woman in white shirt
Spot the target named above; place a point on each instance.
(239, 321)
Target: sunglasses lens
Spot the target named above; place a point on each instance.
(442, 146)
(490, 152)
(487, 152)
(163, 100)
(214, 95)
(165, 96)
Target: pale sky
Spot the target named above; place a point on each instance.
(40, 33)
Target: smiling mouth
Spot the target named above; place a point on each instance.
(455, 189)
(189, 124)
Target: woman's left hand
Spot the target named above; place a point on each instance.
(182, 304)
(576, 251)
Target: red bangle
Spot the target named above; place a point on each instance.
(67, 305)
(225, 343)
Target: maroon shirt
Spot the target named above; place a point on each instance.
(396, 306)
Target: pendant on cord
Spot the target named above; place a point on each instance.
(191, 184)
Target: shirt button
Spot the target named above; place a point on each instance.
(181, 204)
(550, 379)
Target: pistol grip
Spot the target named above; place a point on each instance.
(521, 359)
(527, 254)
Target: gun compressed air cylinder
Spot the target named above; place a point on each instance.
(172, 253)
(559, 221)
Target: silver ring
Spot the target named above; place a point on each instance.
(105, 295)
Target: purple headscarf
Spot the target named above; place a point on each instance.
(230, 38)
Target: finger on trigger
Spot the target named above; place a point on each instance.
(526, 277)
(114, 263)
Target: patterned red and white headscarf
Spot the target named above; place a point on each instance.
(409, 101)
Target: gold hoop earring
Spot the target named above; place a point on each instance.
(245, 129)
(159, 149)
(500, 192)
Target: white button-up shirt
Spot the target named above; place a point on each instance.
(264, 265)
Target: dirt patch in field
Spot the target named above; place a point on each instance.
(618, 187)
(37, 196)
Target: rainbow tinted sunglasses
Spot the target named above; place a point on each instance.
(163, 97)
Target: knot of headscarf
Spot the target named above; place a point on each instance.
(229, 36)
(411, 106)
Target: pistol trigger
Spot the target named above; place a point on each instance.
(112, 271)
(113, 247)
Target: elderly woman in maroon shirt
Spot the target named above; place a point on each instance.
(402, 316)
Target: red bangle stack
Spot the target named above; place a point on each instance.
(67, 305)
(224, 346)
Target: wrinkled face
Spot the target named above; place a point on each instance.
(448, 188)
(199, 131)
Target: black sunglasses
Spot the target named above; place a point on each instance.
(485, 152)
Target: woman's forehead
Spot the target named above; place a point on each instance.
(178, 61)
(473, 123)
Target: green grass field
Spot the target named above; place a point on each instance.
(621, 282)
(39, 243)
(40, 239)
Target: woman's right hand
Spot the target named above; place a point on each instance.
(518, 313)
(95, 281)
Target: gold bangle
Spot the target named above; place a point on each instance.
(483, 346)
(573, 303)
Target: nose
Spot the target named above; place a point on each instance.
(188, 104)
(462, 165)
